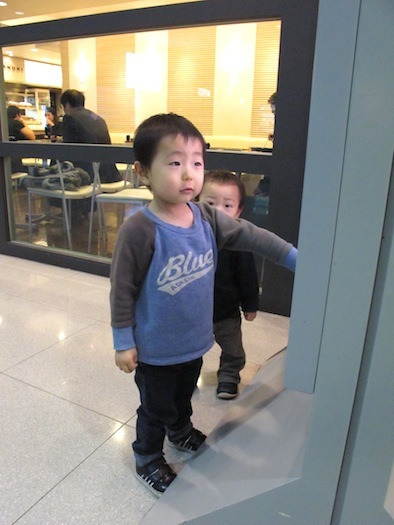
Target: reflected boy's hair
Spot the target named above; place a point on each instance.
(152, 130)
(226, 177)
(272, 99)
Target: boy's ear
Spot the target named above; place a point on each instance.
(240, 209)
(141, 172)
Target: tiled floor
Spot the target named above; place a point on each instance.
(67, 413)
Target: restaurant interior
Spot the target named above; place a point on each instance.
(220, 77)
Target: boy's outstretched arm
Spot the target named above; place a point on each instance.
(242, 235)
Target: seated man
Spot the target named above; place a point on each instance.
(83, 126)
(18, 130)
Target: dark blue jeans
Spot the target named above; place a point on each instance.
(165, 393)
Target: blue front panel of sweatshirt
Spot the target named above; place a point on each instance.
(174, 311)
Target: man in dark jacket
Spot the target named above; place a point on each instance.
(83, 126)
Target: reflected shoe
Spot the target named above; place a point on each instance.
(227, 390)
(190, 443)
(156, 475)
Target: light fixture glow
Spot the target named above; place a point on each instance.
(3, 4)
(34, 49)
(19, 13)
(144, 72)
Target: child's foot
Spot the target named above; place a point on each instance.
(156, 475)
(227, 390)
(191, 442)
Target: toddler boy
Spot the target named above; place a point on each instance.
(162, 280)
(236, 283)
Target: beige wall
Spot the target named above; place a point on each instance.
(218, 77)
(82, 69)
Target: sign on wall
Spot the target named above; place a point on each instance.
(20, 71)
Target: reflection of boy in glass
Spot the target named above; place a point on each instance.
(272, 102)
(264, 184)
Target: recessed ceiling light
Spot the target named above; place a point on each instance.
(19, 13)
(3, 4)
(34, 49)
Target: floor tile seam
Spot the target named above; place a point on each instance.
(133, 417)
(48, 270)
(106, 322)
(57, 396)
(67, 475)
(80, 281)
(51, 278)
(10, 296)
(48, 305)
(91, 323)
(26, 268)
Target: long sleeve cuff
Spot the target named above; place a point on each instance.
(291, 259)
(123, 338)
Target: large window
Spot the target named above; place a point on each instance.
(220, 77)
(216, 66)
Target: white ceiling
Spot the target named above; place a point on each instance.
(43, 10)
(37, 11)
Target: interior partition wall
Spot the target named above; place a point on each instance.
(285, 166)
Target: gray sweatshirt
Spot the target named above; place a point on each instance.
(162, 280)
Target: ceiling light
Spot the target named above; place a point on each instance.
(10, 53)
(34, 49)
(3, 4)
(19, 13)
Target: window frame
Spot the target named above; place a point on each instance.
(285, 165)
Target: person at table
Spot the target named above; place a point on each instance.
(81, 125)
(18, 130)
(53, 127)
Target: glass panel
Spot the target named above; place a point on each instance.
(38, 204)
(220, 77)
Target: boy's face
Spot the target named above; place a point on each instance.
(176, 174)
(225, 197)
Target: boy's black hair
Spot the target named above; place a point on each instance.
(13, 111)
(226, 177)
(75, 98)
(152, 130)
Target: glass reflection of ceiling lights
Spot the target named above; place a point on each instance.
(48, 52)
(25, 11)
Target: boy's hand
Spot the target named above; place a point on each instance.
(126, 360)
(250, 316)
